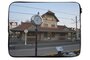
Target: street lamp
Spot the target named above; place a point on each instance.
(37, 21)
(25, 31)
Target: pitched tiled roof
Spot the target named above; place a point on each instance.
(23, 26)
(49, 29)
(28, 25)
(52, 28)
(61, 26)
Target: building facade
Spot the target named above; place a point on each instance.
(12, 24)
(48, 30)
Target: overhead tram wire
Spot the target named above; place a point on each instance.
(67, 18)
(47, 9)
(64, 18)
(34, 14)
(44, 9)
(30, 7)
(28, 14)
(22, 13)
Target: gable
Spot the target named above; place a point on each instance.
(50, 16)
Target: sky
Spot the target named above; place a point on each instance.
(65, 12)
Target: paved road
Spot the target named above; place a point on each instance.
(44, 50)
(42, 44)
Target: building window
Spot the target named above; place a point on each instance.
(49, 34)
(46, 25)
(44, 18)
(62, 34)
(52, 25)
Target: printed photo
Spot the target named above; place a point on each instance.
(48, 29)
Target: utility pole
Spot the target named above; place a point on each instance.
(76, 27)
